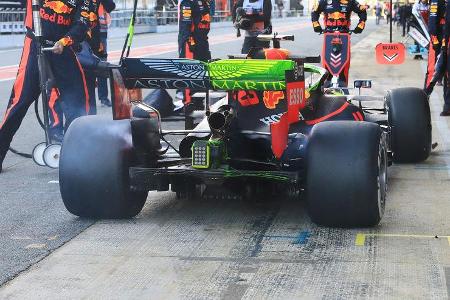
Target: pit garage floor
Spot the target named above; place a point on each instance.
(230, 249)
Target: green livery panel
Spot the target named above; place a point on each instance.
(249, 74)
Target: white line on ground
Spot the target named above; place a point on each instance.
(35, 246)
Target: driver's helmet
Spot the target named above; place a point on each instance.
(269, 53)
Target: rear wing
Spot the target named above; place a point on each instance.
(154, 73)
(226, 75)
(221, 75)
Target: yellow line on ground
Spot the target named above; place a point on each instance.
(361, 237)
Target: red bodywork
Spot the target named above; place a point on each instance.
(121, 98)
(295, 97)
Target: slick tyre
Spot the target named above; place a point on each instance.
(346, 174)
(93, 174)
(410, 121)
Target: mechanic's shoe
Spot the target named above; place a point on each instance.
(2, 157)
(418, 57)
(445, 113)
(106, 102)
(428, 90)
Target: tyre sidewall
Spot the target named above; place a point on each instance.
(342, 173)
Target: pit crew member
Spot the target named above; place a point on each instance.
(254, 17)
(445, 50)
(194, 24)
(337, 17)
(64, 23)
(436, 27)
(98, 47)
(104, 20)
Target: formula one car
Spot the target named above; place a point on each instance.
(275, 134)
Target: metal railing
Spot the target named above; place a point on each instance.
(12, 21)
(122, 18)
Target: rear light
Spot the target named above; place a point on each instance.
(201, 155)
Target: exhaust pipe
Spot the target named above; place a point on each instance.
(217, 123)
(220, 120)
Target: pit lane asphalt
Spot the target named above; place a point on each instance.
(33, 220)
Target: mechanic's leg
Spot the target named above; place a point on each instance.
(102, 82)
(56, 116)
(432, 54)
(446, 107)
(71, 82)
(90, 82)
(261, 44)
(102, 89)
(253, 42)
(25, 91)
(202, 51)
(248, 44)
(419, 55)
(187, 93)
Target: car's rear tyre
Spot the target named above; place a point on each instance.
(346, 174)
(93, 174)
(410, 121)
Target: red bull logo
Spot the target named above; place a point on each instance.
(336, 16)
(92, 17)
(337, 22)
(206, 18)
(54, 18)
(58, 7)
(336, 41)
(205, 22)
(272, 98)
(247, 98)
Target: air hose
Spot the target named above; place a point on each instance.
(130, 34)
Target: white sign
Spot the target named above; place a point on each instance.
(418, 37)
